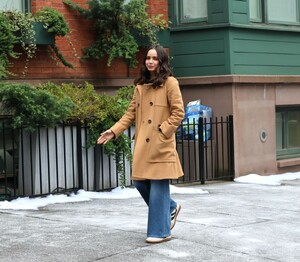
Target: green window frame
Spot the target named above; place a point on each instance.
(280, 12)
(15, 5)
(288, 132)
(192, 11)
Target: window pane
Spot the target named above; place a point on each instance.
(288, 132)
(255, 10)
(194, 9)
(11, 5)
(293, 129)
(282, 11)
(279, 131)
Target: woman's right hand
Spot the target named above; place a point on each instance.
(105, 137)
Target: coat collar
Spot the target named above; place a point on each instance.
(139, 87)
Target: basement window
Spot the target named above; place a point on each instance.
(288, 132)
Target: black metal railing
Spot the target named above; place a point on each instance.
(55, 160)
(209, 154)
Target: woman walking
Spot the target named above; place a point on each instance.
(157, 110)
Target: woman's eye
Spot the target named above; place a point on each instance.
(153, 58)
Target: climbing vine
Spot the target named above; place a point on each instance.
(120, 28)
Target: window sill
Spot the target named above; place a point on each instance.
(253, 26)
(288, 162)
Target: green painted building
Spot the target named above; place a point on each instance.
(221, 37)
(242, 57)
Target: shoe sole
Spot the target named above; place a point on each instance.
(158, 241)
(175, 217)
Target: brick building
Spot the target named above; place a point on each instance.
(43, 68)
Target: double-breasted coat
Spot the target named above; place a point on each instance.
(157, 113)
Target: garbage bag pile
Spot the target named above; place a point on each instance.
(190, 124)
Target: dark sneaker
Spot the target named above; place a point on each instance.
(156, 240)
(174, 215)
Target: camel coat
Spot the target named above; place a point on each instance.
(157, 113)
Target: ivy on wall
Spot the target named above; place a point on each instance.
(120, 28)
(18, 28)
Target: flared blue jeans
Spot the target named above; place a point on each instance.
(156, 194)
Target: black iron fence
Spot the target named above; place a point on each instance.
(54, 160)
(206, 150)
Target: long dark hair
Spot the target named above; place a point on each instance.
(163, 70)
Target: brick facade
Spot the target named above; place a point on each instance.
(44, 68)
(158, 7)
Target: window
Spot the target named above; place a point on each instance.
(193, 10)
(19, 5)
(275, 11)
(255, 10)
(288, 132)
(283, 11)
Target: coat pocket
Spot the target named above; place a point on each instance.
(162, 149)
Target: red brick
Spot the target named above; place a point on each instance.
(43, 67)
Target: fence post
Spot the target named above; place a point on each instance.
(201, 150)
(3, 171)
(231, 146)
(79, 154)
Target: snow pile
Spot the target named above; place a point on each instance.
(271, 180)
(26, 203)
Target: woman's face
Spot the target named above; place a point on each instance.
(152, 61)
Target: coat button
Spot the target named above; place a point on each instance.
(147, 140)
(151, 103)
(138, 104)
(149, 121)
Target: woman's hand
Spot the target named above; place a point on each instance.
(105, 137)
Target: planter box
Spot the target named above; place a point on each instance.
(42, 36)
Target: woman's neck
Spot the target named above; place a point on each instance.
(152, 75)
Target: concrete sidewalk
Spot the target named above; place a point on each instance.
(234, 222)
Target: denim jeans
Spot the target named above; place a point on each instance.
(156, 194)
